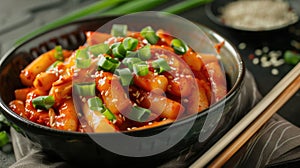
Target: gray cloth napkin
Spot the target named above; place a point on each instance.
(278, 141)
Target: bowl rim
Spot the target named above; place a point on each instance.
(36, 126)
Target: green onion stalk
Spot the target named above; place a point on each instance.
(113, 7)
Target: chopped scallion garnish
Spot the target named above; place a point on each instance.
(85, 89)
(59, 53)
(4, 138)
(291, 57)
(83, 59)
(150, 35)
(125, 76)
(161, 65)
(52, 66)
(119, 30)
(144, 53)
(130, 61)
(108, 64)
(99, 49)
(118, 50)
(108, 114)
(179, 46)
(130, 43)
(43, 102)
(141, 69)
(95, 103)
(131, 53)
(139, 114)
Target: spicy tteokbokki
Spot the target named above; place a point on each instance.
(119, 81)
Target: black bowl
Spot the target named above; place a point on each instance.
(79, 148)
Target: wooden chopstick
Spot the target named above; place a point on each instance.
(255, 126)
(290, 79)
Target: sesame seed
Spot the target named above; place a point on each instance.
(258, 52)
(263, 59)
(275, 71)
(265, 49)
(142, 98)
(255, 61)
(242, 46)
(266, 64)
(278, 63)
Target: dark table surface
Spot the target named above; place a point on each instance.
(31, 16)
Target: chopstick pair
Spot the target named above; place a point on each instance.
(237, 136)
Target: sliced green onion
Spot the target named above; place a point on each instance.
(130, 43)
(119, 30)
(99, 49)
(139, 114)
(95, 103)
(131, 53)
(291, 57)
(150, 35)
(4, 138)
(161, 65)
(83, 59)
(130, 61)
(125, 76)
(118, 50)
(144, 53)
(52, 66)
(85, 89)
(59, 53)
(43, 102)
(108, 64)
(179, 46)
(108, 114)
(140, 69)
